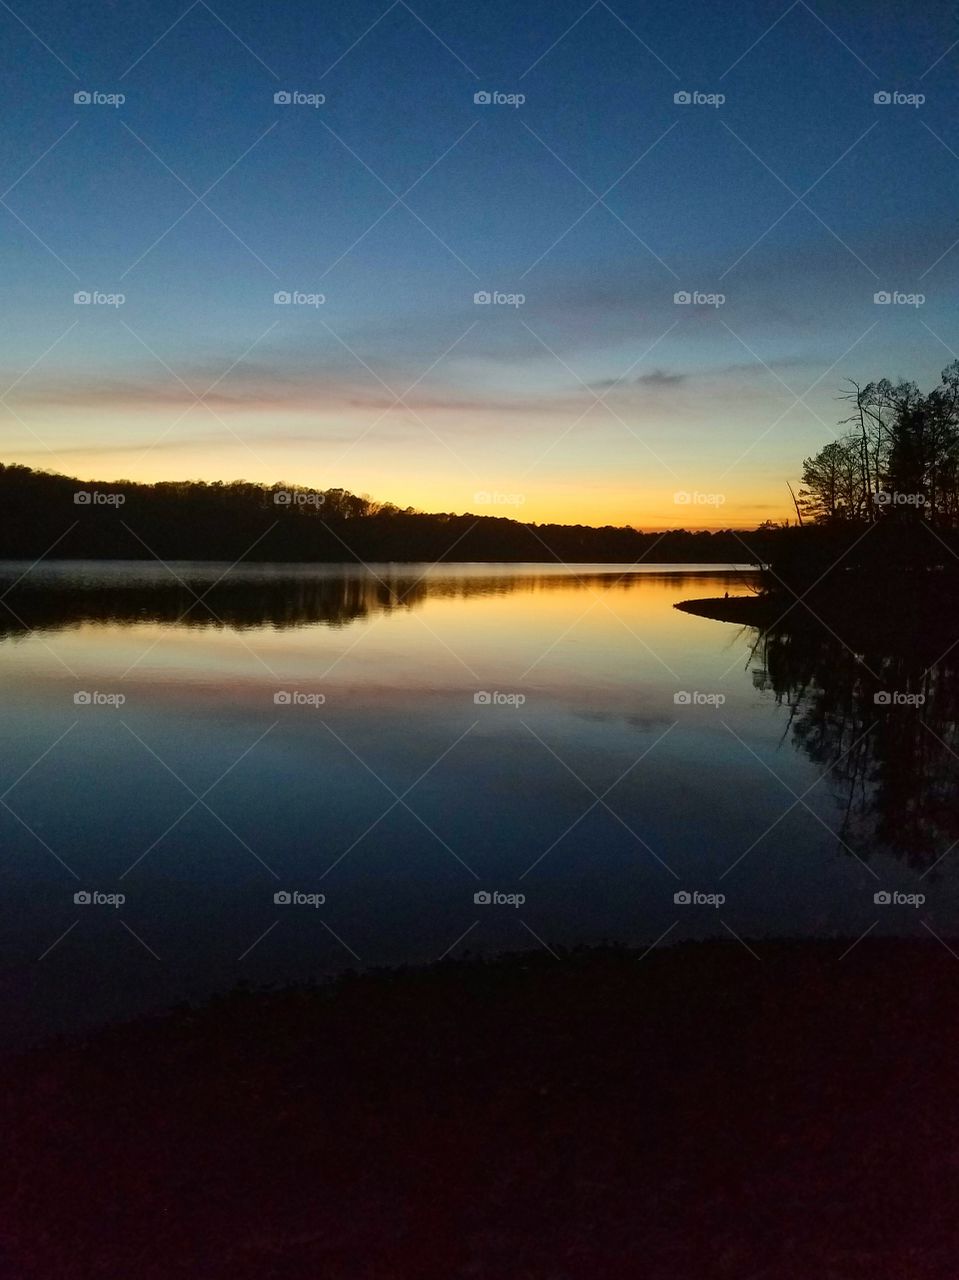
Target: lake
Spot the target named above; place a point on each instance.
(292, 770)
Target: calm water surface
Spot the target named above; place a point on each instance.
(402, 739)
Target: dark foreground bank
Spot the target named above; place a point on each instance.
(907, 615)
(697, 1111)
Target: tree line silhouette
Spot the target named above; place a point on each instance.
(892, 473)
(876, 538)
(898, 460)
(189, 520)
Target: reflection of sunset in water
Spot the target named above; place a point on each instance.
(400, 737)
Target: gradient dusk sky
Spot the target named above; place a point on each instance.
(598, 199)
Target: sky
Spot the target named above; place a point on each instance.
(577, 192)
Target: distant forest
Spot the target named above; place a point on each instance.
(193, 520)
(893, 473)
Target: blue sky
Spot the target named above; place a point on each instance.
(597, 199)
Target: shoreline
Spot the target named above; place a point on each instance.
(857, 614)
(711, 1108)
(752, 611)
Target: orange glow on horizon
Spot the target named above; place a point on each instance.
(619, 503)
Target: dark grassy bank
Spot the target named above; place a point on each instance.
(747, 611)
(918, 611)
(693, 1112)
(893, 583)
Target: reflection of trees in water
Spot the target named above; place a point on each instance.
(245, 602)
(895, 767)
(279, 604)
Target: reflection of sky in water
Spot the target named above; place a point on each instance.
(495, 790)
